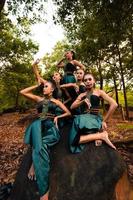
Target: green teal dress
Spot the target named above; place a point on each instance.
(69, 76)
(42, 134)
(85, 123)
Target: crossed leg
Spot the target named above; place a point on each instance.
(97, 136)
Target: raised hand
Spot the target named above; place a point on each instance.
(36, 61)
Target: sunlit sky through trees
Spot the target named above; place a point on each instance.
(46, 34)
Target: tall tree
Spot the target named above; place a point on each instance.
(94, 26)
(15, 60)
(33, 10)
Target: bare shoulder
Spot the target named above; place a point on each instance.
(40, 99)
(97, 92)
(82, 84)
(75, 61)
(100, 92)
(56, 101)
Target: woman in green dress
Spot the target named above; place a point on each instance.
(89, 125)
(43, 133)
(79, 85)
(76, 88)
(69, 64)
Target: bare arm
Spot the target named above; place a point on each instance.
(64, 108)
(68, 95)
(60, 63)
(112, 103)
(35, 69)
(77, 63)
(61, 105)
(65, 114)
(36, 72)
(78, 101)
(67, 85)
(27, 92)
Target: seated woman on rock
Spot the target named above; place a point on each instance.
(87, 126)
(43, 133)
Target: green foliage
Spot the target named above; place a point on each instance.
(124, 126)
(102, 34)
(93, 26)
(23, 9)
(50, 60)
(15, 63)
(129, 98)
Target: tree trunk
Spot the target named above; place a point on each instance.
(116, 91)
(100, 74)
(123, 82)
(16, 100)
(101, 81)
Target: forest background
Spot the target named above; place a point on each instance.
(100, 32)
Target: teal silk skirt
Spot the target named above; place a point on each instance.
(68, 78)
(83, 124)
(41, 135)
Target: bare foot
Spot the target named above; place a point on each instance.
(104, 136)
(31, 174)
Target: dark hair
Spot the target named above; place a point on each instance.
(54, 73)
(39, 89)
(52, 82)
(56, 91)
(90, 75)
(73, 56)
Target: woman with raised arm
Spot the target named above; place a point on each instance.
(69, 67)
(42, 134)
(69, 64)
(57, 94)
